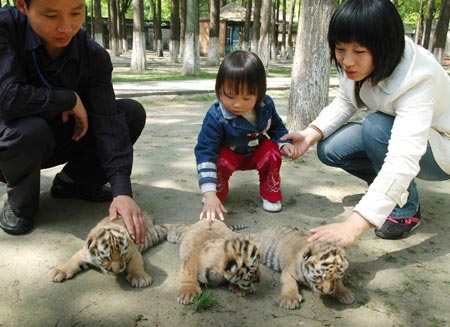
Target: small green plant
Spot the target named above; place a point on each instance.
(390, 258)
(204, 301)
(381, 292)
(138, 317)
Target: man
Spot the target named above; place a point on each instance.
(57, 105)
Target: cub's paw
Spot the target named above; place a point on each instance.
(289, 302)
(240, 291)
(344, 295)
(139, 280)
(58, 275)
(187, 294)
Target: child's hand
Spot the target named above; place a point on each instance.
(212, 206)
(290, 151)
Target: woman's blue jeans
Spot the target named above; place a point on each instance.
(360, 149)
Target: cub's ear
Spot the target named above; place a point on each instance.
(231, 266)
(89, 242)
(307, 254)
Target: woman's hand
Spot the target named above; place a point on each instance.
(343, 234)
(303, 140)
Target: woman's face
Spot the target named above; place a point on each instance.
(355, 59)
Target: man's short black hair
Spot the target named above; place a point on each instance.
(374, 24)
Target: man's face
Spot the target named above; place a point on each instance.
(55, 21)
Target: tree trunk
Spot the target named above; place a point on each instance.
(440, 36)
(311, 68)
(274, 30)
(283, 32)
(247, 25)
(182, 26)
(98, 35)
(418, 38)
(428, 25)
(174, 43)
(264, 42)
(158, 31)
(138, 58)
(113, 33)
(290, 44)
(191, 63)
(256, 26)
(213, 57)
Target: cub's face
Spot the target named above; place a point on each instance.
(108, 249)
(242, 263)
(322, 265)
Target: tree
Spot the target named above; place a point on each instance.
(191, 63)
(138, 58)
(283, 31)
(123, 6)
(274, 30)
(247, 25)
(428, 24)
(98, 26)
(264, 40)
(182, 25)
(213, 57)
(311, 68)
(174, 43)
(440, 37)
(289, 51)
(256, 26)
(418, 39)
(157, 28)
(113, 32)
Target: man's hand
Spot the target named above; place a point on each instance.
(212, 206)
(132, 215)
(81, 120)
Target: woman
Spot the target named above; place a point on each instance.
(407, 135)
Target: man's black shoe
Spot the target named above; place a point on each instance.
(62, 190)
(12, 224)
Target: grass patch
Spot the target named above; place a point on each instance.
(156, 75)
(204, 301)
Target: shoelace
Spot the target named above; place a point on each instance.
(407, 221)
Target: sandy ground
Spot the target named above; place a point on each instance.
(396, 283)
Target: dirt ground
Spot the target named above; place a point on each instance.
(396, 283)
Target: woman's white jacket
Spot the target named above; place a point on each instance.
(417, 94)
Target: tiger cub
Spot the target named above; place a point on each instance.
(110, 248)
(320, 266)
(212, 254)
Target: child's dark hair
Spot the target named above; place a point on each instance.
(374, 24)
(242, 71)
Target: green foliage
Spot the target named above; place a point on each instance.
(204, 301)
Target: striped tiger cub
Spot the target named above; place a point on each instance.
(320, 266)
(110, 248)
(212, 254)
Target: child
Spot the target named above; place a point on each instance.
(241, 131)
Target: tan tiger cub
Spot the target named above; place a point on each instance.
(212, 254)
(319, 266)
(110, 248)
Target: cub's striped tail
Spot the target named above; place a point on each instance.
(155, 235)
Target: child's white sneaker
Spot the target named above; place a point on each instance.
(271, 206)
